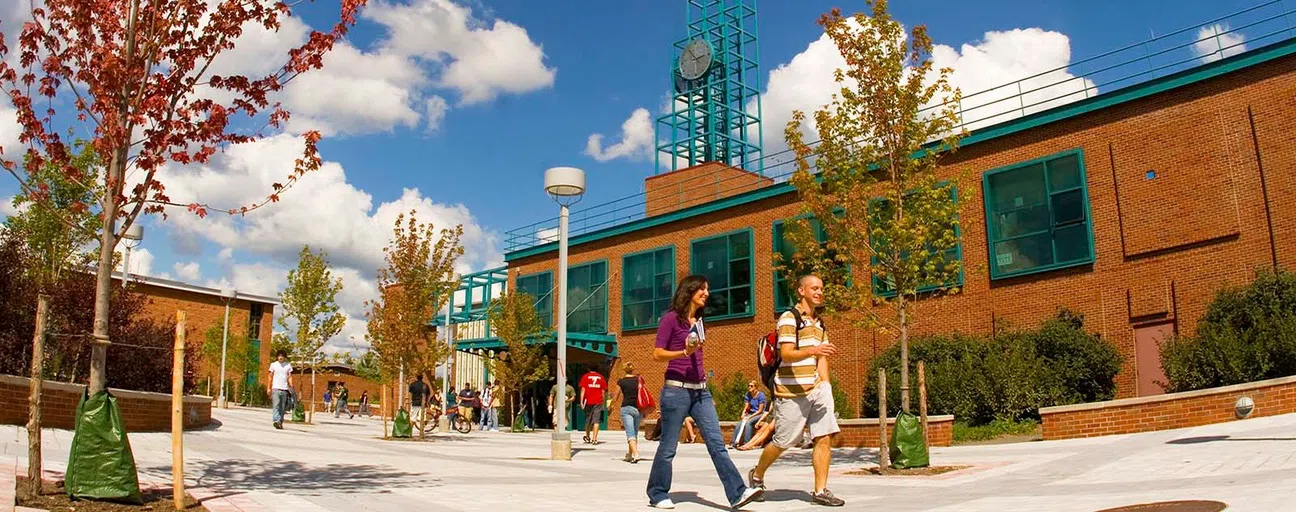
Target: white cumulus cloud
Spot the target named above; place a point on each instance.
(1217, 41)
(636, 139)
(141, 262)
(435, 109)
(188, 272)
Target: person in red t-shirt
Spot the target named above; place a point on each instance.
(593, 385)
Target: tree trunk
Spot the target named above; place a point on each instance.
(34, 471)
(884, 455)
(904, 353)
(103, 289)
(922, 398)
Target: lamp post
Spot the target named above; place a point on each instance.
(565, 185)
(228, 295)
(443, 424)
(132, 238)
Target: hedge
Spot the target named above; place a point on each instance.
(1005, 376)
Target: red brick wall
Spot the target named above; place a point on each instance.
(1141, 272)
(1164, 412)
(142, 412)
(702, 183)
(857, 433)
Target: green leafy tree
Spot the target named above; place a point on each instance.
(58, 231)
(310, 311)
(367, 367)
(871, 183)
(240, 358)
(280, 341)
(513, 318)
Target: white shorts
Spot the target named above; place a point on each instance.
(792, 415)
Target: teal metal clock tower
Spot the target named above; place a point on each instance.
(715, 106)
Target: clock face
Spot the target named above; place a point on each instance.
(695, 60)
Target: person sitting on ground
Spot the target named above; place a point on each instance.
(690, 428)
(762, 433)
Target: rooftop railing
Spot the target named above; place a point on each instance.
(1262, 25)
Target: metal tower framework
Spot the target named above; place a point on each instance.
(715, 118)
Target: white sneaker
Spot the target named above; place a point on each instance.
(748, 496)
(666, 503)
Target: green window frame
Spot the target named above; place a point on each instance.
(587, 297)
(647, 285)
(1038, 216)
(782, 288)
(256, 312)
(726, 261)
(540, 287)
(884, 289)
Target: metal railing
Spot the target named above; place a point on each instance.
(1264, 24)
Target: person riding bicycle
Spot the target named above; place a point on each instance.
(466, 399)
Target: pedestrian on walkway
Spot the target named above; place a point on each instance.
(418, 393)
(680, 341)
(342, 395)
(631, 417)
(328, 400)
(494, 401)
(280, 383)
(450, 408)
(593, 385)
(802, 390)
(569, 398)
(483, 419)
(364, 404)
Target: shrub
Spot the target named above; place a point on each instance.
(729, 398)
(1006, 377)
(1247, 334)
(841, 403)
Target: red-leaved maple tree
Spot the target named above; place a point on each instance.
(135, 76)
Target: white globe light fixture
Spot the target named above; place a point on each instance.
(565, 185)
(228, 295)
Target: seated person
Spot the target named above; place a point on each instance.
(763, 433)
(690, 429)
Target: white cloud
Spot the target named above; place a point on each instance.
(188, 272)
(141, 262)
(547, 235)
(7, 208)
(636, 139)
(435, 108)
(356, 92)
(1215, 42)
(479, 60)
(9, 132)
(806, 82)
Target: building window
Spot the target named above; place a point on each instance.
(254, 360)
(254, 321)
(587, 298)
(1037, 214)
(540, 287)
(886, 287)
(784, 289)
(726, 262)
(648, 281)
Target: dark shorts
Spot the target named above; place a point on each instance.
(593, 415)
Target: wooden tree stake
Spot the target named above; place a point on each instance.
(177, 415)
(922, 399)
(884, 456)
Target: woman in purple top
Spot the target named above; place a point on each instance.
(680, 338)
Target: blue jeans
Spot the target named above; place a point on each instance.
(676, 403)
(748, 430)
(630, 418)
(492, 418)
(278, 402)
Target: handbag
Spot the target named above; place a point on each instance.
(645, 399)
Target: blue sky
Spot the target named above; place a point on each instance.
(468, 101)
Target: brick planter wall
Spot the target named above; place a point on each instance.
(855, 433)
(1164, 412)
(142, 412)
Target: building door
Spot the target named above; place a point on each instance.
(1147, 353)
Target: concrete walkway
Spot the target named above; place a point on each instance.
(340, 465)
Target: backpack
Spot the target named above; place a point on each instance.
(768, 356)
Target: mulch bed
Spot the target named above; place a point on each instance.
(55, 499)
(890, 471)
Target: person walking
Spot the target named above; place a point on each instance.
(754, 404)
(280, 384)
(342, 395)
(364, 405)
(802, 390)
(592, 387)
(680, 340)
(483, 418)
(493, 403)
(450, 409)
(419, 393)
(569, 397)
(631, 417)
(328, 400)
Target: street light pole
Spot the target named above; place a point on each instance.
(228, 295)
(444, 423)
(565, 185)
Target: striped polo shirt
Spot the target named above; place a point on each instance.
(794, 379)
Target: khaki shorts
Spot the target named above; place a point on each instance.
(815, 410)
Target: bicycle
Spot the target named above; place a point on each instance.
(462, 423)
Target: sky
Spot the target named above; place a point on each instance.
(454, 109)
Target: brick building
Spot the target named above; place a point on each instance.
(1132, 207)
(249, 315)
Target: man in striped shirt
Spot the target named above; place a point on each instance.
(802, 393)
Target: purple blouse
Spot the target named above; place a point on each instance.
(672, 334)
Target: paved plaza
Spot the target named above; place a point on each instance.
(341, 465)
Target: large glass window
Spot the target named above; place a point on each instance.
(648, 281)
(540, 287)
(784, 294)
(1038, 216)
(255, 314)
(726, 262)
(587, 298)
(886, 287)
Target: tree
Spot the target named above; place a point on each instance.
(416, 283)
(310, 310)
(138, 77)
(874, 192)
(367, 367)
(513, 318)
(240, 357)
(55, 247)
(280, 341)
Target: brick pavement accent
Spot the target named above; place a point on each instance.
(1163, 412)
